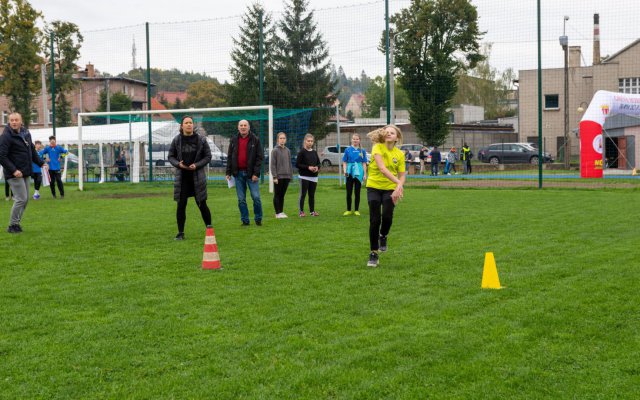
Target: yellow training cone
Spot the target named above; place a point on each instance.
(490, 278)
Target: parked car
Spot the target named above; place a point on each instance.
(512, 153)
(329, 155)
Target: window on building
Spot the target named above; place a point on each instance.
(629, 85)
(5, 117)
(34, 116)
(551, 102)
(50, 116)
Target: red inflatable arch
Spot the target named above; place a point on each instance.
(602, 106)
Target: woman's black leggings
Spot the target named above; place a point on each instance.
(379, 221)
(353, 184)
(181, 213)
(279, 190)
(308, 186)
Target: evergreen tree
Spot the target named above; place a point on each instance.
(20, 41)
(245, 71)
(67, 41)
(302, 67)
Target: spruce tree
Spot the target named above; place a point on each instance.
(302, 66)
(245, 71)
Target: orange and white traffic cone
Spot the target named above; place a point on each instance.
(210, 257)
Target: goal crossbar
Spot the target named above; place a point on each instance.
(190, 111)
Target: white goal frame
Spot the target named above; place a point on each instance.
(190, 111)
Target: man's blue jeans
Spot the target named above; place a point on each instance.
(242, 181)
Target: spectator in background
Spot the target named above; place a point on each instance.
(16, 155)
(36, 173)
(436, 158)
(465, 156)
(451, 160)
(244, 164)
(424, 156)
(308, 163)
(121, 164)
(282, 173)
(190, 154)
(55, 154)
(408, 157)
(354, 164)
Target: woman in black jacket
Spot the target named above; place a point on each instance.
(190, 154)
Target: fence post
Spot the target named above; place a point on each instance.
(150, 116)
(53, 89)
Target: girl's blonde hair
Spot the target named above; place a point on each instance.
(378, 135)
(308, 135)
(280, 133)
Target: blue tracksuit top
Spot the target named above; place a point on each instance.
(54, 156)
(352, 154)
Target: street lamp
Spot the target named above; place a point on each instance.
(564, 42)
(583, 105)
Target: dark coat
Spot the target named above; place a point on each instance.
(254, 156)
(203, 157)
(17, 152)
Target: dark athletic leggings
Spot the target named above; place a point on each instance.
(181, 212)
(37, 180)
(380, 215)
(308, 186)
(353, 184)
(56, 179)
(279, 190)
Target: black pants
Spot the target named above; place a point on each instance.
(308, 186)
(7, 188)
(353, 184)
(181, 212)
(380, 215)
(37, 180)
(279, 190)
(56, 179)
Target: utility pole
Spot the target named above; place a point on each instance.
(564, 42)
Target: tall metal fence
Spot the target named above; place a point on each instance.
(353, 35)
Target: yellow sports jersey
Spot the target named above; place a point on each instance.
(393, 160)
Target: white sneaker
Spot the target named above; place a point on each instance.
(283, 215)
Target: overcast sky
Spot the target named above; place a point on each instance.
(510, 26)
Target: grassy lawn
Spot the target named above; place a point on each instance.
(98, 301)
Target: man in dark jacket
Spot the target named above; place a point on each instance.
(436, 158)
(17, 152)
(244, 163)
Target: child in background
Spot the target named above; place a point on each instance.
(308, 164)
(384, 186)
(36, 173)
(282, 172)
(55, 154)
(354, 164)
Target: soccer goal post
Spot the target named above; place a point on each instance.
(129, 145)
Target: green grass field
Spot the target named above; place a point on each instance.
(98, 301)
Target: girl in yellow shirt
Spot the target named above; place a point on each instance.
(384, 186)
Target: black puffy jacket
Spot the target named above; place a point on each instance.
(17, 152)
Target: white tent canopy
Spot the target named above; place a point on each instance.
(162, 133)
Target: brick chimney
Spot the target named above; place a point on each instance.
(90, 70)
(575, 55)
(596, 39)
